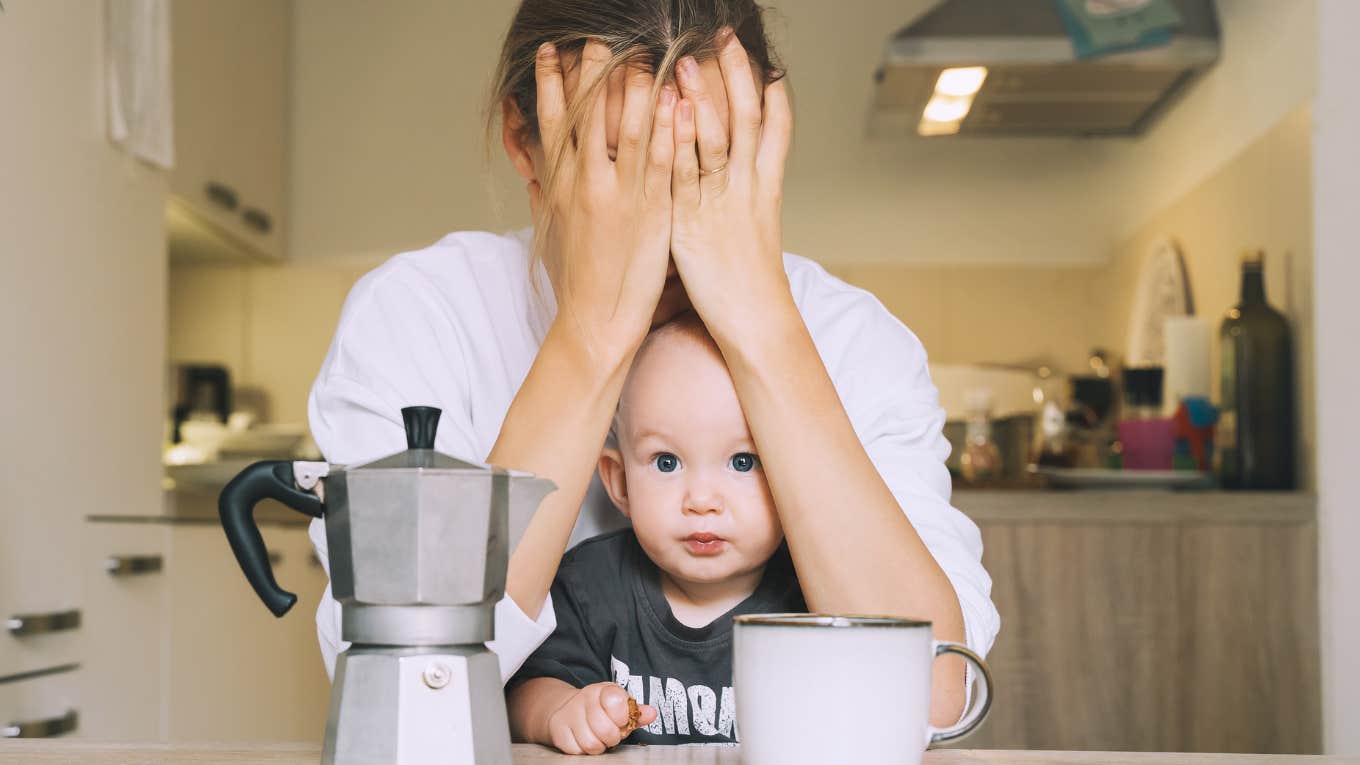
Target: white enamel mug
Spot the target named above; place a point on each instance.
(822, 689)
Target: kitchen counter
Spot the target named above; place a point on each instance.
(40, 752)
(1135, 506)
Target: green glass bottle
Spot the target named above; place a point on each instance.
(1255, 437)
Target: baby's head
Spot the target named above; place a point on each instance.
(685, 470)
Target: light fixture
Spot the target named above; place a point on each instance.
(947, 108)
(961, 81)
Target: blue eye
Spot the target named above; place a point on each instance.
(744, 462)
(666, 462)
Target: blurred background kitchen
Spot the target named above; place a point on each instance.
(185, 202)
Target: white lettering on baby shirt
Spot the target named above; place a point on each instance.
(713, 714)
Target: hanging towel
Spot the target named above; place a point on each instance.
(137, 63)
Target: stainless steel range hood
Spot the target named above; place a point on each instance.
(1034, 83)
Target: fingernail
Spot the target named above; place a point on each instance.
(547, 51)
(668, 96)
(689, 67)
(725, 34)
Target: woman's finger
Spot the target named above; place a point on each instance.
(551, 104)
(776, 131)
(743, 102)
(711, 131)
(637, 105)
(593, 60)
(613, 109)
(661, 150)
(685, 175)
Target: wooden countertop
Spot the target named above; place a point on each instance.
(1136, 506)
(55, 751)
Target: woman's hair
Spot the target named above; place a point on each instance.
(653, 34)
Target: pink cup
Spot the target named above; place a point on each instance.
(1148, 444)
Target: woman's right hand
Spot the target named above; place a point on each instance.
(594, 719)
(609, 242)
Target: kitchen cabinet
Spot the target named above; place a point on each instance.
(230, 108)
(1137, 621)
(46, 705)
(189, 652)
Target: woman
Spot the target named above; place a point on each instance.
(650, 194)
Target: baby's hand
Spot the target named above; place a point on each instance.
(596, 718)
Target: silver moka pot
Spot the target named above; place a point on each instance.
(419, 543)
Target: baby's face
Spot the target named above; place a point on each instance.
(695, 489)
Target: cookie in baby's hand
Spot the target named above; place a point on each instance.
(634, 716)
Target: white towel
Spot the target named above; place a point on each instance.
(137, 60)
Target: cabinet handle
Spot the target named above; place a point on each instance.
(52, 726)
(130, 565)
(221, 195)
(36, 624)
(257, 219)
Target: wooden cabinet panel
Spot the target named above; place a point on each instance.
(237, 672)
(52, 701)
(1153, 637)
(230, 99)
(127, 654)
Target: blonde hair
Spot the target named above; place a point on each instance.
(652, 34)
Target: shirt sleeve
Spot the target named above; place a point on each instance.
(396, 347)
(880, 371)
(569, 653)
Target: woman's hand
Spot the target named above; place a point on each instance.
(594, 719)
(610, 237)
(727, 190)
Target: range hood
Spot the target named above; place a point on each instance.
(1032, 81)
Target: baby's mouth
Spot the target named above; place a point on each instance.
(704, 543)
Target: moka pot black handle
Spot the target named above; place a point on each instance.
(270, 479)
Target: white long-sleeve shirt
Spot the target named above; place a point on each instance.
(456, 326)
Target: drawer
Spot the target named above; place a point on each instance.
(127, 646)
(34, 636)
(41, 706)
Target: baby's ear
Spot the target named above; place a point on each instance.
(612, 476)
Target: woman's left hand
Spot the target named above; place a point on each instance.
(727, 191)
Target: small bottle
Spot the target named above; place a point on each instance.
(1255, 436)
(981, 459)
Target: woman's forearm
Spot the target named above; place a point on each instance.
(554, 429)
(855, 550)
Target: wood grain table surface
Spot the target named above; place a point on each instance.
(94, 753)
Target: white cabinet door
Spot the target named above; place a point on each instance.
(237, 672)
(230, 79)
(127, 651)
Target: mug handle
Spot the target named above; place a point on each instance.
(981, 703)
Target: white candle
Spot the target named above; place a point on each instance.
(1187, 360)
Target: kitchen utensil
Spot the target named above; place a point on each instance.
(202, 391)
(419, 543)
(817, 689)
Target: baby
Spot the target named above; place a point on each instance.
(644, 615)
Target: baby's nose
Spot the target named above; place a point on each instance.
(702, 499)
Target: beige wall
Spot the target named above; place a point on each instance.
(270, 326)
(387, 149)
